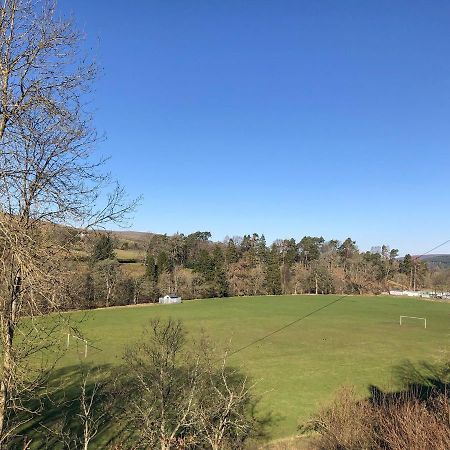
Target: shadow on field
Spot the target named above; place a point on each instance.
(422, 381)
(60, 423)
(413, 414)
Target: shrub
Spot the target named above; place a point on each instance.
(346, 424)
(387, 421)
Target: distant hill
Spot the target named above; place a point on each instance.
(441, 261)
(134, 236)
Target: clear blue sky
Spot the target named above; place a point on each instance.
(285, 118)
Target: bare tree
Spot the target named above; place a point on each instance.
(161, 402)
(138, 284)
(222, 410)
(48, 179)
(109, 271)
(179, 394)
(80, 417)
(90, 415)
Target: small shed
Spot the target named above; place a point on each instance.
(169, 299)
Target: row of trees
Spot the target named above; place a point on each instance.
(195, 267)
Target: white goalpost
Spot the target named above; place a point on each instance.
(412, 317)
(80, 339)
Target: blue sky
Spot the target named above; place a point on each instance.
(285, 118)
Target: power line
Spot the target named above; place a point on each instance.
(256, 341)
(286, 326)
(432, 250)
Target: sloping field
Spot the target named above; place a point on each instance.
(356, 340)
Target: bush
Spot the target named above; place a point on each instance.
(417, 418)
(410, 423)
(346, 424)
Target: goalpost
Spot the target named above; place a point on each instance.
(80, 339)
(412, 317)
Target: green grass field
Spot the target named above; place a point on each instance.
(354, 341)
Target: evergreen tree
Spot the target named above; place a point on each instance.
(246, 244)
(103, 248)
(406, 265)
(273, 275)
(310, 248)
(151, 270)
(220, 283)
(290, 252)
(204, 265)
(163, 263)
(346, 251)
(232, 254)
(261, 249)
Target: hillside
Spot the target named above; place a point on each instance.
(440, 261)
(138, 237)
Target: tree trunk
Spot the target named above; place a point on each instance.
(175, 279)
(108, 291)
(107, 298)
(86, 437)
(4, 385)
(8, 325)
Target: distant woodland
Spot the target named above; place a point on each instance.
(118, 269)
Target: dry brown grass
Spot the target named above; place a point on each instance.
(134, 270)
(132, 254)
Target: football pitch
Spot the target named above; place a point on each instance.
(297, 349)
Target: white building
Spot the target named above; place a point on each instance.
(169, 299)
(422, 294)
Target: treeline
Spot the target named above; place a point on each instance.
(195, 267)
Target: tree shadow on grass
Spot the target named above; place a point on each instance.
(58, 424)
(422, 381)
(414, 415)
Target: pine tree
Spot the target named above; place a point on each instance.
(232, 254)
(262, 249)
(220, 283)
(103, 248)
(151, 270)
(273, 276)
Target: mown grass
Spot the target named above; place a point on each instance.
(354, 341)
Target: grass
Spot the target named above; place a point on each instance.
(129, 255)
(354, 341)
(134, 270)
